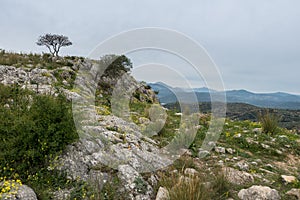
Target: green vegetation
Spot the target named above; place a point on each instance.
(34, 129)
(110, 190)
(115, 65)
(44, 61)
(269, 122)
(199, 186)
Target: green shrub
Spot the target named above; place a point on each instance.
(269, 122)
(33, 128)
(185, 188)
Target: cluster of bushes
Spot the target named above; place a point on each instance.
(33, 130)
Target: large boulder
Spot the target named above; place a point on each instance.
(237, 177)
(115, 144)
(12, 190)
(258, 192)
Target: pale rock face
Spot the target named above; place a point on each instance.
(294, 193)
(125, 149)
(288, 179)
(258, 192)
(134, 184)
(237, 177)
(162, 194)
(39, 80)
(23, 192)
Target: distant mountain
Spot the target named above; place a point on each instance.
(288, 118)
(168, 94)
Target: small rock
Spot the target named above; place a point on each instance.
(250, 140)
(278, 151)
(65, 82)
(237, 135)
(254, 163)
(190, 172)
(220, 149)
(288, 179)
(258, 192)
(294, 192)
(221, 162)
(178, 114)
(235, 158)
(265, 146)
(266, 171)
(283, 136)
(202, 153)
(162, 194)
(269, 166)
(242, 165)
(230, 150)
(257, 130)
(152, 180)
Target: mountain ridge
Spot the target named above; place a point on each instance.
(282, 100)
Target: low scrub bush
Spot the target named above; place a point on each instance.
(269, 122)
(33, 129)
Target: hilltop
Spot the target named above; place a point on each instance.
(106, 154)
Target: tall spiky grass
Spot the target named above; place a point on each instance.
(269, 122)
(181, 187)
(200, 186)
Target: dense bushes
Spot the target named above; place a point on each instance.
(32, 128)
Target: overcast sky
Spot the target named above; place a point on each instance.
(254, 43)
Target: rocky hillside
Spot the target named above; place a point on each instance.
(117, 158)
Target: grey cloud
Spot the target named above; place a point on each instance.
(248, 39)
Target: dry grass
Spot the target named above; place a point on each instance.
(269, 122)
(202, 186)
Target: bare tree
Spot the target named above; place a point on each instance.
(53, 42)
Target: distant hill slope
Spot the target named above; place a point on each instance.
(289, 119)
(166, 94)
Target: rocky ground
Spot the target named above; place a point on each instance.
(117, 159)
